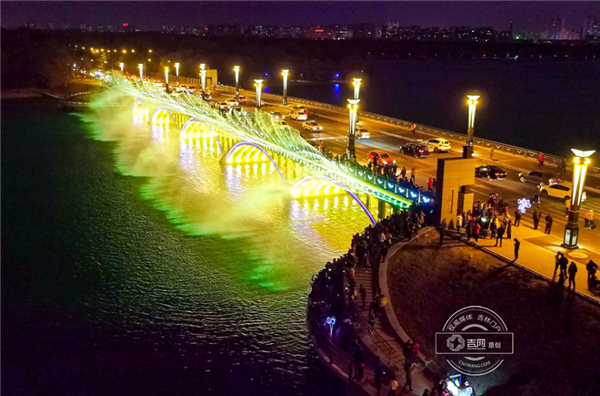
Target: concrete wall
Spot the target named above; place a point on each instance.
(452, 174)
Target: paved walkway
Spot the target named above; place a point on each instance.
(537, 254)
(385, 342)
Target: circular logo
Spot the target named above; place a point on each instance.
(475, 340)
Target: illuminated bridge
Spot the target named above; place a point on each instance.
(251, 137)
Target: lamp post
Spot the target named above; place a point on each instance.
(285, 73)
(258, 84)
(167, 77)
(352, 106)
(356, 83)
(236, 69)
(203, 77)
(468, 148)
(580, 165)
(121, 65)
(141, 67)
(177, 69)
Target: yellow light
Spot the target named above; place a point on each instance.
(202, 66)
(124, 51)
(149, 50)
(132, 50)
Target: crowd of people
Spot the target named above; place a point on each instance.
(389, 173)
(336, 293)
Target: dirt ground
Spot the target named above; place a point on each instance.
(557, 334)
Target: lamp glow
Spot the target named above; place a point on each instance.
(468, 148)
(353, 107)
(356, 84)
(177, 69)
(258, 84)
(121, 65)
(236, 69)
(141, 67)
(285, 73)
(167, 75)
(203, 77)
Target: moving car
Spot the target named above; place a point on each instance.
(415, 149)
(221, 105)
(312, 126)
(541, 178)
(277, 115)
(384, 157)
(438, 145)
(232, 102)
(561, 190)
(298, 115)
(242, 99)
(362, 133)
(490, 172)
(300, 108)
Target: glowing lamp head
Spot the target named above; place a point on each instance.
(357, 81)
(285, 72)
(258, 82)
(583, 154)
(202, 66)
(236, 69)
(473, 99)
(353, 103)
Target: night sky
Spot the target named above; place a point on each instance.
(153, 15)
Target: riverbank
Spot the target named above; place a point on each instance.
(20, 93)
(555, 332)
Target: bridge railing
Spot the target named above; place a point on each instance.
(486, 143)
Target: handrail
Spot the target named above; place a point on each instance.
(364, 326)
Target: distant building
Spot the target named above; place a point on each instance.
(557, 27)
(591, 26)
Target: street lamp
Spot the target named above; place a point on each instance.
(121, 65)
(203, 77)
(468, 148)
(258, 84)
(177, 69)
(167, 76)
(580, 165)
(356, 84)
(352, 106)
(285, 73)
(236, 69)
(141, 67)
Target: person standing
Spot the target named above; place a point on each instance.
(563, 262)
(477, 230)
(518, 215)
(412, 175)
(556, 263)
(413, 129)
(572, 272)
(537, 216)
(493, 227)
(393, 387)
(359, 364)
(459, 221)
(517, 247)
(548, 223)
(408, 368)
(443, 227)
(591, 268)
(492, 153)
(509, 229)
(430, 185)
(363, 294)
(567, 206)
(403, 173)
(500, 235)
(541, 159)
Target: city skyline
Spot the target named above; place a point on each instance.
(154, 15)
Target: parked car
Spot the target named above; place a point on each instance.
(312, 126)
(277, 115)
(362, 133)
(415, 149)
(563, 190)
(490, 172)
(541, 178)
(438, 145)
(383, 156)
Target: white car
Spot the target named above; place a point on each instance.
(312, 126)
(559, 190)
(438, 145)
(232, 102)
(277, 115)
(362, 133)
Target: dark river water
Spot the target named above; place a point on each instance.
(133, 263)
(547, 106)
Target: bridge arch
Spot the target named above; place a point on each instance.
(160, 110)
(229, 157)
(189, 123)
(304, 180)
